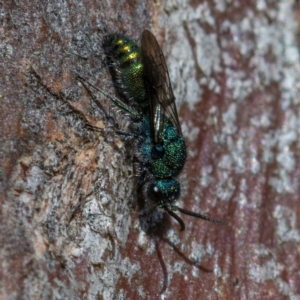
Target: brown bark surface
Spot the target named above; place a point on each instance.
(70, 223)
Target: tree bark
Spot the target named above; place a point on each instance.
(71, 224)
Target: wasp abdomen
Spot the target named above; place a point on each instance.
(124, 58)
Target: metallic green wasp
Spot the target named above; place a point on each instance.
(142, 79)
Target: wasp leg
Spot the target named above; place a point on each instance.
(95, 128)
(134, 114)
(126, 134)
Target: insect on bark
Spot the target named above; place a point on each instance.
(141, 78)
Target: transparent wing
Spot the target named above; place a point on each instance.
(157, 81)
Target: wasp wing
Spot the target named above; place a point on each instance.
(159, 88)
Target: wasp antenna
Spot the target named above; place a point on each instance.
(200, 216)
(177, 218)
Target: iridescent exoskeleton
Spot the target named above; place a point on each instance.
(142, 80)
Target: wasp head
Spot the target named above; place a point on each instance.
(164, 191)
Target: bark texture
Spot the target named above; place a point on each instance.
(70, 223)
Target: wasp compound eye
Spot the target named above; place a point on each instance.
(155, 193)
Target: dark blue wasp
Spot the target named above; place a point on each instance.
(142, 80)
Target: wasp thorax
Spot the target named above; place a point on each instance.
(164, 191)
